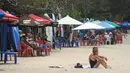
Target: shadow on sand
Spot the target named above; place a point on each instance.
(2, 70)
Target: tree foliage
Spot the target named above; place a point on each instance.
(99, 9)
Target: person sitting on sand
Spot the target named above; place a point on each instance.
(95, 60)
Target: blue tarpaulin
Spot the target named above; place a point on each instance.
(14, 37)
(4, 29)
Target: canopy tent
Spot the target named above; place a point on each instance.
(96, 22)
(112, 23)
(125, 24)
(104, 24)
(88, 25)
(69, 21)
(8, 18)
(38, 21)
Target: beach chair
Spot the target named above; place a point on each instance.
(6, 53)
(25, 50)
(43, 48)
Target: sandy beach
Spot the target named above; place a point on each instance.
(118, 58)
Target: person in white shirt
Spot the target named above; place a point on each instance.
(108, 38)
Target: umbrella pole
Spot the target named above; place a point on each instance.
(53, 37)
(60, 38)
(42, 32)
(34, 33)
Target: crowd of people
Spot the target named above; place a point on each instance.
(34, 44)
(100, 37)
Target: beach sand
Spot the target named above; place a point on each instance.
(118, 59)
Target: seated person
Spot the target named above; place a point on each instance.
(95, 60)
(24, 42)
(47, 44)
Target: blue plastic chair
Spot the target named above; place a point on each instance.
(10, 53)
(44, 47)
(6, 56)
(77, 44)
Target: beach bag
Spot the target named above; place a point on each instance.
(78, 65)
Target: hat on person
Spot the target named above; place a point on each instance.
(21, 35)
(20, 31)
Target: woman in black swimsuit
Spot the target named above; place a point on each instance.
(95, 60)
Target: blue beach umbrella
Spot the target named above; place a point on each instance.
(125, 24)
(1, 14)
(112, 23)
(5, 18)
(106, 25)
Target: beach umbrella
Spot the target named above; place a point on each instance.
(104, 24)
(88, 25)
(8, 18)
(125, 24)
(112, 23)
(1, 15)
(5, 20)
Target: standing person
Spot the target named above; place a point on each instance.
(120, 37)
(111, 36)
(97, 38)
(87, 38)
(114, 36)
(108, 39)
(95, 59)
(73, 40)
(92, 39)
(101, 39)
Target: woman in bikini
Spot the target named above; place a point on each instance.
(95, 60)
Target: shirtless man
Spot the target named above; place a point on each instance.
(95, 60)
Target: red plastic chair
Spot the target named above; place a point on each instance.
(25, 50)
(46, 50)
